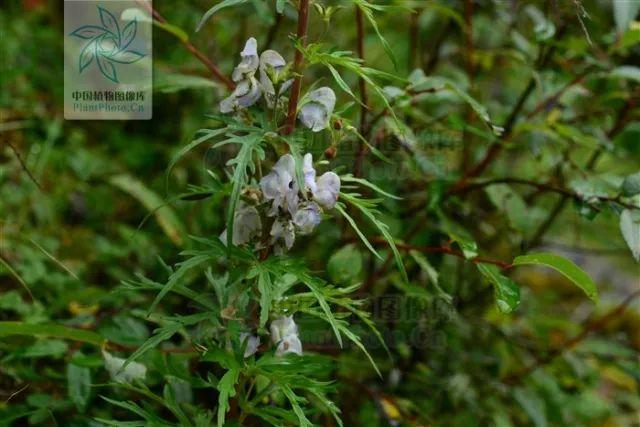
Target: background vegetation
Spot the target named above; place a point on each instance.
(508, 134)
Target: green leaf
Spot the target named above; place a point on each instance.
(630, 228)
(226, 388)
(15, 274)
(248, 145)
(177, 275)
(264, 286)
(345, 265)
(563, 266)
(50, 330)
(631, 185)
(165, 215)
(628, 72)
(362, 181)
(312, 284)
(297, 409)
(209, 13)
(208, 134)
(367, 209)
(367, 10)
(506, 291)
(79, 385)
(533, 406)
(280, 5)
(339, 207)
(165, 82)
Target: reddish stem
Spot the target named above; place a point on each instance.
(292, 112)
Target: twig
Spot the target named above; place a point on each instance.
(446, 250)
(550, 101)
(292, 112)
(24, 166)
(191, 48)
(496, 147)
(540, 186)
(588, 329)
(618, 126)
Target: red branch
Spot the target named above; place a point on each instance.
(191, 48)
(292, 112)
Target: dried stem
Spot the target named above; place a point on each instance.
(23, 165)
(292, 112)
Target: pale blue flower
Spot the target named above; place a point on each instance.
(317, 110)
(279, 187)
(253, 342)
(246, 225)
(272, 62)
(307, 217)
(328, 189)
(284, 334)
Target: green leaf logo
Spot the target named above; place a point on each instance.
(107, 45)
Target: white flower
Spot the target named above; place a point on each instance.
(307, 217)
(247, 91)
(289, 344)
(272, 62)
(249, 64)
(282, 231)
(309, 172)
(316, 112)
(246, 224)
(279, 186)
(284, 334)
(328, 189)
(253, 342)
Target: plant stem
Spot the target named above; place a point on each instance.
(292, 112)
(191, 48)
(364, 100)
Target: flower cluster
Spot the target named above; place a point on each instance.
(288, 208)
(291, 212)
(316, 107)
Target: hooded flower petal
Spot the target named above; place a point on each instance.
(249, 64)
(279, 187)
(252, 94)
(282, 231)
(282, 327)
(290, 344)
(272, 61)
(246, 225)
(253, 342)
(284, 334)
(309, 172)
(315, 114)
(307, 217)
(328, 190)
(272, 64)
